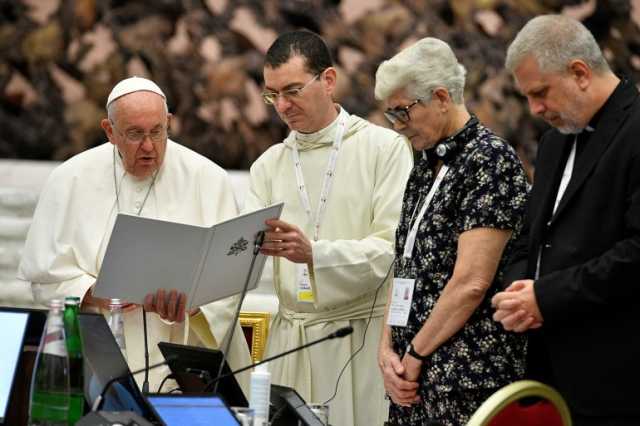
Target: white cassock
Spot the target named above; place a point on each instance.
(74, 218)
(351, 257)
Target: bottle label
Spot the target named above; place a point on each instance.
(54, 340)
(54, 345)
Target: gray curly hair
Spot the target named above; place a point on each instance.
(421, 68)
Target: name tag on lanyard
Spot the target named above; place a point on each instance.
(305, 293)
(402, 291)
(400, 304)
(303, 279)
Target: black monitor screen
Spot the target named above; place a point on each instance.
(288, 407)
(194, 368)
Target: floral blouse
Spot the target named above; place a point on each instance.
(485, 186)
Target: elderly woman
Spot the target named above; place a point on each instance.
(441, 354)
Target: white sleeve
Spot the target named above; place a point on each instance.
(50, 262)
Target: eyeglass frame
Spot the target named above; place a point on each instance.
(162, 135)
(288, 93)
(398, 113)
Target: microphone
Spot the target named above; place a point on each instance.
(145, 383)
(257, 244)
(98, 401)
(341, 332)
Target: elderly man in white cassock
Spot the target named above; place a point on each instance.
(140, 171)
(341, 179)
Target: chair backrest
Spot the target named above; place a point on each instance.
(525, 403)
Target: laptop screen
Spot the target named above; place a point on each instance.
(178, 410)
(104, 361)
(12, 333)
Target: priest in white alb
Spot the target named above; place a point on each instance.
(140, 171)
(341, 179)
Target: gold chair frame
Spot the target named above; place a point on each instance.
(258, 322)
(513, 392)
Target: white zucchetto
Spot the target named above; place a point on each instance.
(131, 85)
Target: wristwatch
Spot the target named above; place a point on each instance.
(411, 351)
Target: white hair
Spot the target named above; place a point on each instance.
(420, 69)
(554, 41)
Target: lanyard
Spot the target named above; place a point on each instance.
(413, 231)
(328, 177)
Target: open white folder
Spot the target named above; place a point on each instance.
(207, 264)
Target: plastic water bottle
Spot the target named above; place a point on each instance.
(116, 323)
(74, 348)
(260, 390)
(49, 402)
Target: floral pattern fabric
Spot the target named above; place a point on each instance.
(485, 186)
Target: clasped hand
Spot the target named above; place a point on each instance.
(400, 377)
(516, 307)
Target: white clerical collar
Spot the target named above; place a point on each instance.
(324, 134)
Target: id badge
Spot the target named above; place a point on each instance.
(400, 305)
(305, 293)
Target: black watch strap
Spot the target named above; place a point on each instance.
(411, 351)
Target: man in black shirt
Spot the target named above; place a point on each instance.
(573, 283)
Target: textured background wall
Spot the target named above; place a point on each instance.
(59, 59)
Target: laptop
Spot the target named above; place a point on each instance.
(194, 367)
(192, 410)
(20, 331)
(104, 361)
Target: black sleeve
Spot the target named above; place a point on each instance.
(605, 281)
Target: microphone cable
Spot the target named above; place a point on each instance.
(364, 335)
(164, 380)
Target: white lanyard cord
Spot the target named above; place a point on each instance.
(410, 241)
(328, 177)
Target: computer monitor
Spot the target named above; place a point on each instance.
(289, 408)
(19, 393)
(193, 410)
(12, 335)
(103, 361)
(193, 368)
